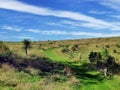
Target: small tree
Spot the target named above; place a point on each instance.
(27, 43)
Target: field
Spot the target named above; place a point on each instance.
(44, 66)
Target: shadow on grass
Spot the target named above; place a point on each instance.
(87, 73)
(44, 65)
(48, 67)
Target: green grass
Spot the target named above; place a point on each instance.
(10, 79)
(105, 85)
(50, 53)
(85, 76)
(88, 83)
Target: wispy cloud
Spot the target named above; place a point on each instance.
(55, 24)
(22, 7)
(48, 32)
(115, 4)
(72, 24)
(12, 28)
(61, 32)
(73, 33)
(116, 16)
(22, 37)
(99, 12)
(84, 24)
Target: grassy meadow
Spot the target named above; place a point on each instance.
(44, 68)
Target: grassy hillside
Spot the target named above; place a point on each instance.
(85, 47)
(44, 66)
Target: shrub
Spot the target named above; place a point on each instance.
(65, 50)
(67, 46)
(114, 51)
(74, 47)
(118, 53)
(105, 63)
(112, 66)
(39, 46)
(3, 48)
(50, 42)
(97, 46)
(95, 57)
(110, 61)
(5, 53)
(107, 46)
(118, 45)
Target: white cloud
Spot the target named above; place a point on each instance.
(116, 16)
(73, 33)
(72, 24)
(22, 7)
(83, 24)
(99, 12)
(61, 32)
(115, 4)
(12, 28)
(47, 32)
(55, 24)
(22, 37)
(33, 30)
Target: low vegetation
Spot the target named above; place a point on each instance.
(91, 64)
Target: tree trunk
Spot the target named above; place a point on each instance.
(26, 51)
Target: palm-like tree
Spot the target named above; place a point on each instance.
(27, 44)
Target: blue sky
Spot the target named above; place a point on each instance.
(58, 19)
